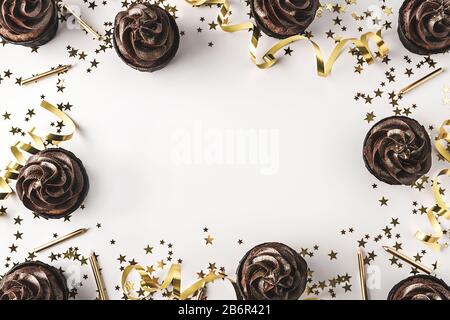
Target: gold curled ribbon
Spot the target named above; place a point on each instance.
(11, 171)
(443, 136)
(441, 209)
(438, 196)
(432, 240)
(269, 57)
(198, 3)
(150, 284)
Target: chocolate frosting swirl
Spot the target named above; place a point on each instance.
(272, 271)
(146, 37)
(33, 281)
(284, 18)
(23, 21)
(420, 287)
(397, 150)
(425, 25)
(53, 183)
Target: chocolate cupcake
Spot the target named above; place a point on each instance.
(284, 18)
(424, 26)
(397, 150)
(272, 271)
(34, 281)
(420, 287)
(30, 23)
(53, 183)
(146, 37)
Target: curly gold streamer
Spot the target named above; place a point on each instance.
(198, 3)
(150, 284)
(443, 136)
(11, 171)
(5, 189)
(441, 209)
(269, 57)
(432, 240)
(438, 196)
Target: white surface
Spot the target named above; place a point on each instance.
(127, 121)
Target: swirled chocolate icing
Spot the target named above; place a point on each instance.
(272, 271)
(146, 37)
(28, 22)
(397, 150)
(424, 26)
(33, 281)
(53, 183)
(284, 18)
(420, 287)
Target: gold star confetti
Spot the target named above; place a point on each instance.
(333, 255)
(209, 240)
(383, 201)
(370, 116)
(148, 249)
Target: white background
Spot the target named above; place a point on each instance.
(127, 120)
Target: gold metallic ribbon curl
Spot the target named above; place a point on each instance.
(150, 284)
(441, 209)
(11, 171)
(442, 139)
(269, 57)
